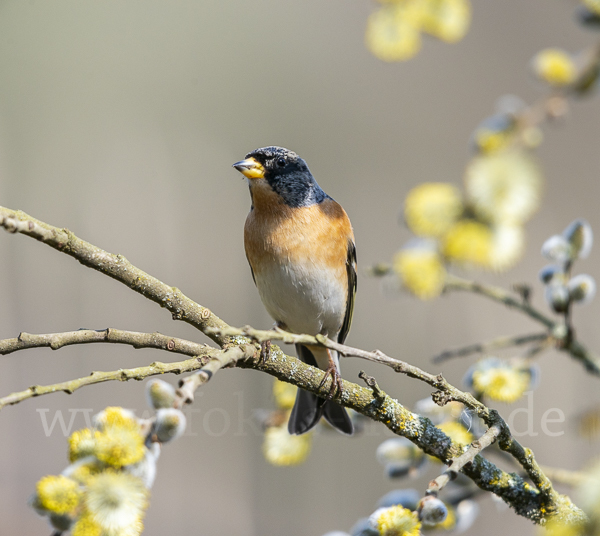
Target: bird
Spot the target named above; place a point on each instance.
(300, 246)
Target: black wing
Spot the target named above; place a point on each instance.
(351, 271)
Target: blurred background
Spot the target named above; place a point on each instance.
(120, 120)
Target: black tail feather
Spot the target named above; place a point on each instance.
(307, 412)
(338, 417)
(309, 408)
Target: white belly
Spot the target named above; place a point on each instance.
(305, 297)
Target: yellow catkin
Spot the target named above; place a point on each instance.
(58, 494)
(396, 521)
(469, 242)
(430, 209)
(421, 271)
(392, 34)
(502, 383)
(281, 448)
(555, 66)
(82, 443)
(284, 393)
(448, 20)
(457, 432)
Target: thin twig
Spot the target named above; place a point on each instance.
(490, 346)
(219, 360)
(372, 383)
(95, 377)
(564, 476)
(457, 464)
(564, 338)
(500, 295)
(109, 335)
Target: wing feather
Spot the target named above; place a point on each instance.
(251, 270)
(351, 272)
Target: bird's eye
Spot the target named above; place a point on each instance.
(281, 162)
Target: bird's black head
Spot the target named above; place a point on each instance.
(285, 172)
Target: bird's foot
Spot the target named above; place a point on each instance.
(336, 381)
(265, 352)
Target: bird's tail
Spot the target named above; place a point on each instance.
(309, 408)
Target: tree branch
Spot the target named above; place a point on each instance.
(564, 476)
(565, 340)
(456, 465)
(511, 488)
(499, 295)
(117, 267)
(110, 335)
(217, 361)
(444, 394)
(490, 346)
(535, 504)
(122, 375)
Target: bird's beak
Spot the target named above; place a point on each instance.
(250, 168)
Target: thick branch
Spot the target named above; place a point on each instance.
(526, 501)
(445, 393)
(438, 382)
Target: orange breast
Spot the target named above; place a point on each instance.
(276, 233)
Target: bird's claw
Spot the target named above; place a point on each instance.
(265, 352)
(336, 381)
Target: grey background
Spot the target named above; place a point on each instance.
(120, 120)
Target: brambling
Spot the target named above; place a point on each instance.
(300, 246)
